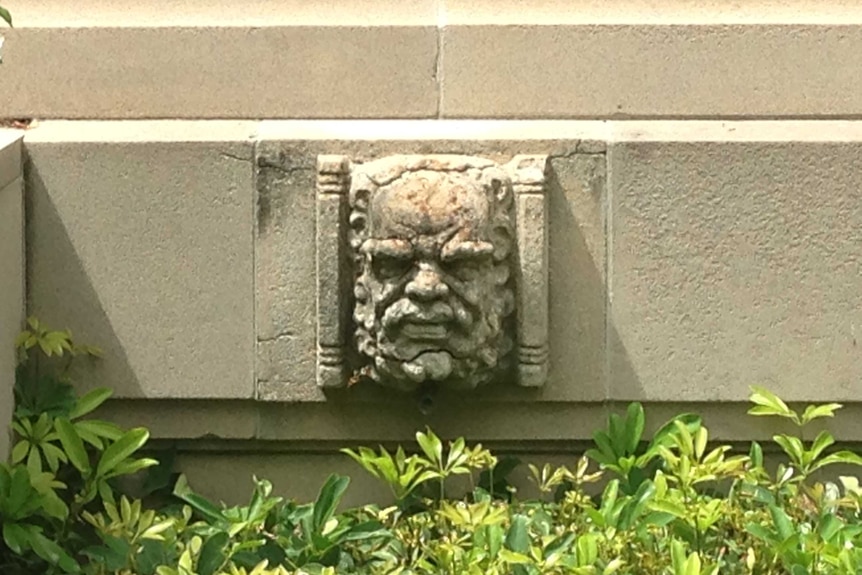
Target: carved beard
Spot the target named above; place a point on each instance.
(476, 347)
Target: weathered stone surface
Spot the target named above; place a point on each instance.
(286, 290)
(141, 243)
(333, 181)
(11, 274)
(434, 242)
(531, 274)
(737, 262)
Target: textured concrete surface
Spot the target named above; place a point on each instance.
(142, 245)
(736, 263)
(219, 72)
(11, 273)
(619, 71)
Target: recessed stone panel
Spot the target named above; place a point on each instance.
(298, 276)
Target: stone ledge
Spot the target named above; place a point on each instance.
(109, 13)
(224, 13)
(328, 427)
(593, 135)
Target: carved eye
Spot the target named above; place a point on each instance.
(389, 267)
(465, 269)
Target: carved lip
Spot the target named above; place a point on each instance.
(425, 331)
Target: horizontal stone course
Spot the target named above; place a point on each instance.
(219, 72)
(431, 59)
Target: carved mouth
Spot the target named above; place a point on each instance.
(425, 331)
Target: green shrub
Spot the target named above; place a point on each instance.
(675, 504)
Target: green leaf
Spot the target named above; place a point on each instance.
(561, 543)
(823, 440)
(677, 554)
(769, 404)
(782, 522)
(845, 457)
(635, 421)
(20, 491)
(830, 527)
(90, 402)
(636, 504)
(665, 434)
(431, 445)
(73, 445)
(19, 452)
(756, 455)
(666, 506)
(15, 537)
(514, 558)
(518, 537)
(52, 553)
(328, 499)
(616, 432)
(121, 449)
(813, 412)
(99, 428)
(587, 550)
(131, 467)
(213, 554)
(792, 446)
(198, 503)
(606, 449)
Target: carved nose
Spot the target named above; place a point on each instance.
(427, 285)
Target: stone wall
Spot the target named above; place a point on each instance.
(703, 196)
(11, 273)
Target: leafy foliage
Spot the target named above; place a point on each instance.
(674, 503)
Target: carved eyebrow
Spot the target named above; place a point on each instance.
(458, 250)
(393, 248)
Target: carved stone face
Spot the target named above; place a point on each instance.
(433, 290)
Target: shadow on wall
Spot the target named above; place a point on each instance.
(60, 292)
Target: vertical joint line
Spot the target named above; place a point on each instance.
(438, 57)
(609, 254)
